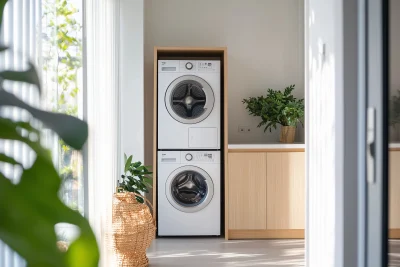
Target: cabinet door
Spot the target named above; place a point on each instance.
(247, 191)
(394, 190)
(285, 190)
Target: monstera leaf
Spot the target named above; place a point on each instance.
(31, 208)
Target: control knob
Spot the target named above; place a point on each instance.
(188, 157)
(189, 66)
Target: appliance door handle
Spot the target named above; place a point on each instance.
(371, 143)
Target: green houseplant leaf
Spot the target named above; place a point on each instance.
(6, 159)
(71, 129)
(2, 5)
(9, 131)
(276, 107)
(128, 162)
(28, 76)
(41, 214)
(136, 178)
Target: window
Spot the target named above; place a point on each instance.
(49, 34)
(61, 42)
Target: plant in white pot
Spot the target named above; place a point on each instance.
(278, 107)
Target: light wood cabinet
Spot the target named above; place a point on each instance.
(266, 195)
(285, 190)
(394, 191)
(247, 191)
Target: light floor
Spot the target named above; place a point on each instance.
(209, 252)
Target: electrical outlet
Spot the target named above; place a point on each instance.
(244, 129)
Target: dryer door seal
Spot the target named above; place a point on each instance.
(189, 189)
(189, 99)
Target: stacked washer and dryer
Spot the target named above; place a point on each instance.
(189, 142)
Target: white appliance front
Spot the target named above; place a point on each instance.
(189, 196)
(189, 108)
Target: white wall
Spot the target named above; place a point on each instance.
(265, 49)
(131, 71)
(331, 133)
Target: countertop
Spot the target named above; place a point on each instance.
(268, 146)
(284, 146)
(394, 145)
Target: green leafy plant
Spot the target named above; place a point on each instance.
(136, 178)
(394, 114)
(276, 108)
(31, 208)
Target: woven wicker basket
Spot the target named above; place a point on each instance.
(133, 229)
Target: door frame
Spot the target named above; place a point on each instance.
(373, 133)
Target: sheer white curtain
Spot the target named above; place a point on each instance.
(19, 32)
(102, 27)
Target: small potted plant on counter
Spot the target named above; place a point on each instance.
(394, 116)
(278, 107)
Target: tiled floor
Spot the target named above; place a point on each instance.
(210, 252)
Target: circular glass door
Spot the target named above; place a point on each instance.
(189, 189)
(189, 99)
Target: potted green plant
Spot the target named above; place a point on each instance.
(136, 178)
(394, 113)
(132, 223)
(278, 107)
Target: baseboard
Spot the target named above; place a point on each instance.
(283, 234)
(266, 234)
(394, 233)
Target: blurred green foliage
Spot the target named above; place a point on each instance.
(31, 208)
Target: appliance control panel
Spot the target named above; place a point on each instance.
(191, 66)
(189, 157)
(200, 156)
(207, 66)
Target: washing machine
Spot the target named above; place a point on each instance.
(189, 193)
(189, 104)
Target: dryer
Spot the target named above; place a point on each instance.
(189, 193)
(189, 104)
